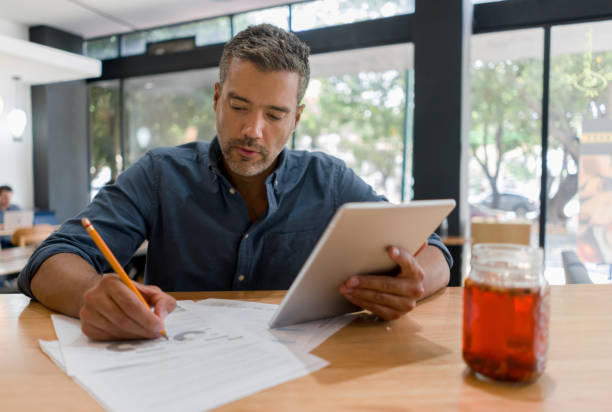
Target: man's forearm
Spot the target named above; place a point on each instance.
(437, 272)
(61, 281)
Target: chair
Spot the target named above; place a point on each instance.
(33, 235)
(575, 271)
(493, 231)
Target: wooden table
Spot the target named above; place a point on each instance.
(14, 259)
(410, 364)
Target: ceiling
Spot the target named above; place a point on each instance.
(94, 18)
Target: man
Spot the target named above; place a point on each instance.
(239, 213)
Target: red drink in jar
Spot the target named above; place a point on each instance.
(505, 313)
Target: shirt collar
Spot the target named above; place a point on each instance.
(214, 156)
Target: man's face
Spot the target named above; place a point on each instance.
(256, 113)
(5, 199)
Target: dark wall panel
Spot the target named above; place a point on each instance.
(59, 111)
(515, 14)
(438, 35)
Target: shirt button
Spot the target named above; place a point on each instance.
(246, 235)
(275, 183)
(232, 190)
(240, 278)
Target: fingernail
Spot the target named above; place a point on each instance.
(352, 282)
(159, 327)
(163, 314)
(394, 251)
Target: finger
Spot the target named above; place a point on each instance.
(384, 312)
(402, 304)
(105, 314)
(135, 316)
(161, 301)
(93, 332)
(402, 286)
(94, 313)
(97, 327)
(117, 303)
(420, 249)
(410, 266)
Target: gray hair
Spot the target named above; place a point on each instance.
(270, 49)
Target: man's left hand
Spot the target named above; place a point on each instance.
(386, 296)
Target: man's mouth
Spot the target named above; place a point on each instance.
(246, 152)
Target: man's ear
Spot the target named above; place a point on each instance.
(298, 115)
(217, 95)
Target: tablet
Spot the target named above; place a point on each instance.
(355, 242)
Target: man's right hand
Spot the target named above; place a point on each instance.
(111, 311)
(108, 309)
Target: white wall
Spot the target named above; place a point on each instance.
(16, 167)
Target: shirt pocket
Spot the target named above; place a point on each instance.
(283, 256)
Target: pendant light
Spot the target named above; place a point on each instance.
(16, 119)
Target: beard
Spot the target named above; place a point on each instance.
(243, 165)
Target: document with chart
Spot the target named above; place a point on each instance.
(217, 351)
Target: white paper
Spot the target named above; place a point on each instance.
(218, 351)
(185, 331)
(209, 380)
(52, 349)
(253, 317)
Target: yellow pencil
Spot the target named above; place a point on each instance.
(112, 260)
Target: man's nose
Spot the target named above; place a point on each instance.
(254, 125)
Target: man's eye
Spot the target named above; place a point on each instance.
(273, 116)
(237, 107)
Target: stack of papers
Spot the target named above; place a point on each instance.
(218, 351)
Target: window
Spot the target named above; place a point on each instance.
(103, 48)
(505, 136)
(104, 115)
(356, 110)
(579, 189)
(168, 110)
(278, 16)
(322, 13)
(205, 32)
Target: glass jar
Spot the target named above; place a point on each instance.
(506, 307)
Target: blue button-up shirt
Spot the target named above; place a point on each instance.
(198, 226)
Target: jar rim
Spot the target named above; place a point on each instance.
(504, 246)
(505, 264)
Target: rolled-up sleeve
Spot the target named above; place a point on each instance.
(435, 240)
(122, 215)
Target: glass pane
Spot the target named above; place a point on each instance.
(356, 110)
(322, 13)
(106, 161)
(278, 16)
(168, 110)
(205, 31)
(579, 215)
(505, 136)
(104, 48)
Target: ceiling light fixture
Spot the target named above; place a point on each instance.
(16, 118)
